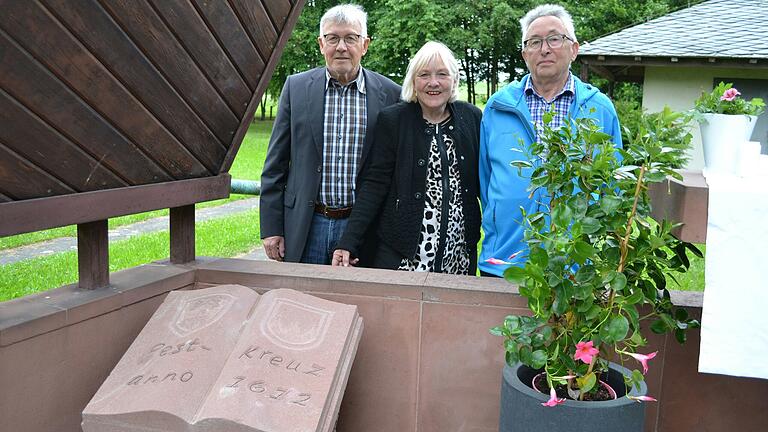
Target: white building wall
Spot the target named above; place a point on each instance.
(679, 87)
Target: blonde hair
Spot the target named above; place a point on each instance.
(429, 52)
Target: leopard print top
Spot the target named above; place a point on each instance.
(455, 257)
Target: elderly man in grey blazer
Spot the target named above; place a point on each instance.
(320, 140)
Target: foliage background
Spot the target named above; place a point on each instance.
(484, 34)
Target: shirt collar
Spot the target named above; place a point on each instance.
(569, 87)
(359, 81)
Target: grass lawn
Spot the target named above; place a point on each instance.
(40, 274)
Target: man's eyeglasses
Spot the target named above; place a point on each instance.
(553, 41)
(333, 39)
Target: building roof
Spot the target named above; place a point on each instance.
(712, 29)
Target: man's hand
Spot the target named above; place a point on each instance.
(274, 247)
(341, 259)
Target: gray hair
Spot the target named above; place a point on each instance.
(349, 14)
(545, 10)
(430, 51)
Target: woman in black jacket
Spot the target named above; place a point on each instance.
(419, 189)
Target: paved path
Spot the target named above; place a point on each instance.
(66, 244)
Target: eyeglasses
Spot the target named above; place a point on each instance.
(553, 41)
(333, 39)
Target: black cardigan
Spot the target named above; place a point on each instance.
(391, 186)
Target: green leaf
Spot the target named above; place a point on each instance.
(512, 323)
(659, 327)
(610, 203)
(587, 382)
(511, 357)
(593, 312)
(615, 330)
(619, 282)
(560, 304)
(538, 256)
(562, 215)
(635, 297)
(585, 305)
(515, 274)
(590, 225)
(585, 274)
(497, 331)
(582, 251)
(680, 336)
(583, 291)
(538, 359)
(578, 206)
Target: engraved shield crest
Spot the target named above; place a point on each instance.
(197, 313)
(295, 325)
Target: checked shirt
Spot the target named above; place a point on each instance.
(539, 106)
(344, 127)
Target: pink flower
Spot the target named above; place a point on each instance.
(553, 399)
(642, 398)
(585, 351)
(496, 261)
(730, 94)
(514, 255)
(643, 359)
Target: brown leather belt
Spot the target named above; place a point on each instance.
(333, 213)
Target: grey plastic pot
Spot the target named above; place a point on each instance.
(521, 408)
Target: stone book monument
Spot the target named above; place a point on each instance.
(227, 359)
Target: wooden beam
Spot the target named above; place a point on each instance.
(183, 234)
(284, 35)
(18, 217)
(738, 63)
(93, 254)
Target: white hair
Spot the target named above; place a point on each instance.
(429, 52)
(349, 14)
(545, 10)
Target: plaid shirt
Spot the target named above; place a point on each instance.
(538, 105)
(344, 127)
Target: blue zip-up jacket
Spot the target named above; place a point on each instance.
(503, 191)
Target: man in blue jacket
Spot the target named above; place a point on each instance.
(514, 114)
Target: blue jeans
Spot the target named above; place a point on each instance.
(321, 241)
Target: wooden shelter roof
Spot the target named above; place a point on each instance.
(99, 98)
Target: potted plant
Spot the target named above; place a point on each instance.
(594, 276)
(726, 121)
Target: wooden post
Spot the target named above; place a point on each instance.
(183, 234)
(93, 254)
(584, 73)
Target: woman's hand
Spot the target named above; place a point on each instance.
(341, 259)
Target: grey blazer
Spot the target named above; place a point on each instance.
(290, 180)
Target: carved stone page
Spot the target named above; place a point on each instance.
(170, 367)
(290, 367)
